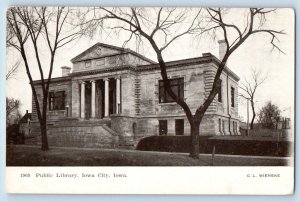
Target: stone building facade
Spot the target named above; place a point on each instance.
(115, 96)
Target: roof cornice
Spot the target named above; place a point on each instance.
(54, 80)
(141, 68)
(208, 58)
(104, 70)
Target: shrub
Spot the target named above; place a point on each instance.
(223, 145)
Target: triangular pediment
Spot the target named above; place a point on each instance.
(98, 50)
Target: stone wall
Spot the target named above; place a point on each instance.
(126, 128)
(225, 129)
(123, 125)
(128, 94)
(224, 107)
(85, 134)
(140, 127)
(55, 114)
(149, 95)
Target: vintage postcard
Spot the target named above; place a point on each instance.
(149, 100)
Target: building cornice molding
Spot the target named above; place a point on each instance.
(104, 70)
(206, 59)
(141, 68)
(54, 80)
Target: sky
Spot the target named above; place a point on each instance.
(256, 53)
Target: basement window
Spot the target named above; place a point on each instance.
(179, 126)
(163, 127)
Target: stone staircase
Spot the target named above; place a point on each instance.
(92, 133)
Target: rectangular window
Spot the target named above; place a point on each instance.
(176, 85)
(220, 126)
(57, 100)
(220, 93)
(163, 127)
(87, 64)
(232, 96)
(179, 127)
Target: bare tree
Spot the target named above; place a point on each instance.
(34, 27)
(13, 70)
(12, 109)
(249, 88)
(171, 24)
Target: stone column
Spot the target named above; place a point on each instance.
(106, 97)
(118, 95)
(82, 100)
(93, 96)
(75, 98)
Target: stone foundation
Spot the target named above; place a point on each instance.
(124, 131)
(139, 127)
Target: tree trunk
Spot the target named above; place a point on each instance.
(194, 144)
(43, 125)
(253, 116)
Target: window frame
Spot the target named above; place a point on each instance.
(220, 93)
(232, 95)
(162, 127)
(53, 98)
(163, 96)
(179, 127)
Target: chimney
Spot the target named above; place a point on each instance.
(26, 111)
(222, 48)
(65, 71)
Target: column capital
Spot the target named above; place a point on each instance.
(81, 82)
(92, 81)
(105, 79)
(117, 77)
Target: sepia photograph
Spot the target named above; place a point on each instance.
(155, 87)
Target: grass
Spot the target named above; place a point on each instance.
(25, 155)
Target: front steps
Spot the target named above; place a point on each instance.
(71, 132)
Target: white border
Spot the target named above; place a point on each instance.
(228, 3)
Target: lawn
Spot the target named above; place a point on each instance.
(25, 155)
